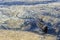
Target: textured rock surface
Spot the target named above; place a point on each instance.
(21, 35)
(10, 14)
(14, 16)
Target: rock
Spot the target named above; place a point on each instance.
(13, 23)
(3, 18)
(10, 15)
(23, 35)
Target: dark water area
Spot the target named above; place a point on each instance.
(26, 3)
